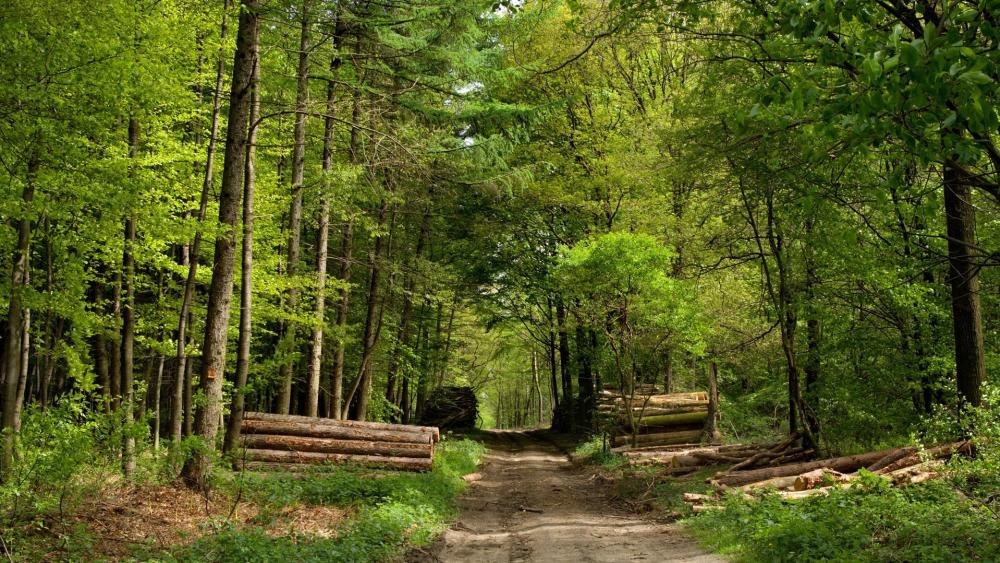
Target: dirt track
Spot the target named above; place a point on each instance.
(533, 505)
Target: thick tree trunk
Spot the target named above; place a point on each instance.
(246, 275)
(963, 275)
(220, 295)
(180, 414)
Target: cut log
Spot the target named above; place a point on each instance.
(916, 473)
(638, 412)
(697, 498)
(673, 419)
(332, 431)
(817, 477)
(278, 456)
(892, 458)
(938, 452)
(796, 495)
(660, 438)
(844, 464)
(431, 430)
(705, 507)
(777, 483)
(326, 445)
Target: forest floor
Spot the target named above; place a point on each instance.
(530, 503)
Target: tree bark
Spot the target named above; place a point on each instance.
(128, 323)
(564, 368)
(197, 467)
(711, 432)
(295, 212)
(963, 276)
(246, 275)
(180, 414)
(362, 383)
(409, 285)
(15, 323)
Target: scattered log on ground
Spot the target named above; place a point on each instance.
(777, 483)
(451, 407)
(892, 458)
(326, 445)
(939, 452)
(816, 478)
(278, 456)
(918, 473)
(843, 464)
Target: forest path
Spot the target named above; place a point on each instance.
(532, 504)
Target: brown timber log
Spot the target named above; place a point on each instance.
(430, 430)
(844, 464)
(278, 456)
(337, 432)
(660, 438)
(326, 445)
(938, 452)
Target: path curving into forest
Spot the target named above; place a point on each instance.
(533, 505)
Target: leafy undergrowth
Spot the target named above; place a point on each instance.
(390, 510)
(870, 522)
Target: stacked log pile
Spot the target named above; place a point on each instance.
(792, 481)
(274, 441)
(451, 407)
(650, 419)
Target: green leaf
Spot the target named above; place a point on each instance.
(975, 77)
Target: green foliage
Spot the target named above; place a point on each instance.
(597, 451)
(869, 522)
(392, 510)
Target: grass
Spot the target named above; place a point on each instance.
(390, 511)
(871, 522)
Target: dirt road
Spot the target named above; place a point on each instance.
(533, 505)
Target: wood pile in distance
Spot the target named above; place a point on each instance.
(651, 419)
(451, 407)
(274, 441)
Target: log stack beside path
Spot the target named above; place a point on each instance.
(278, 441)
(651, 419)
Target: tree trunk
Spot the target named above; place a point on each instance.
(566, 408)
(180, 414)
(22, 378)
(409, 285)
(295, 213)
(711, 432)
(220, 295)
(362, 383)
(963, 275)
(585, 374)
(15, 323)
(316, 357)
(128, 323)
(246, 275)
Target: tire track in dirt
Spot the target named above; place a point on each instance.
(533, 505)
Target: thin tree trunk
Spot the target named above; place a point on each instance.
(315, 360)
(446, 356)
(128, 323)
(15, 324)
(964, 279)
(409, 285)
(22, 379)
(362, 383)
(711, 432)
(180, 415)
(566, 408)
(295, 213)
(220, 295)
(535, 382)
(237, 406)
